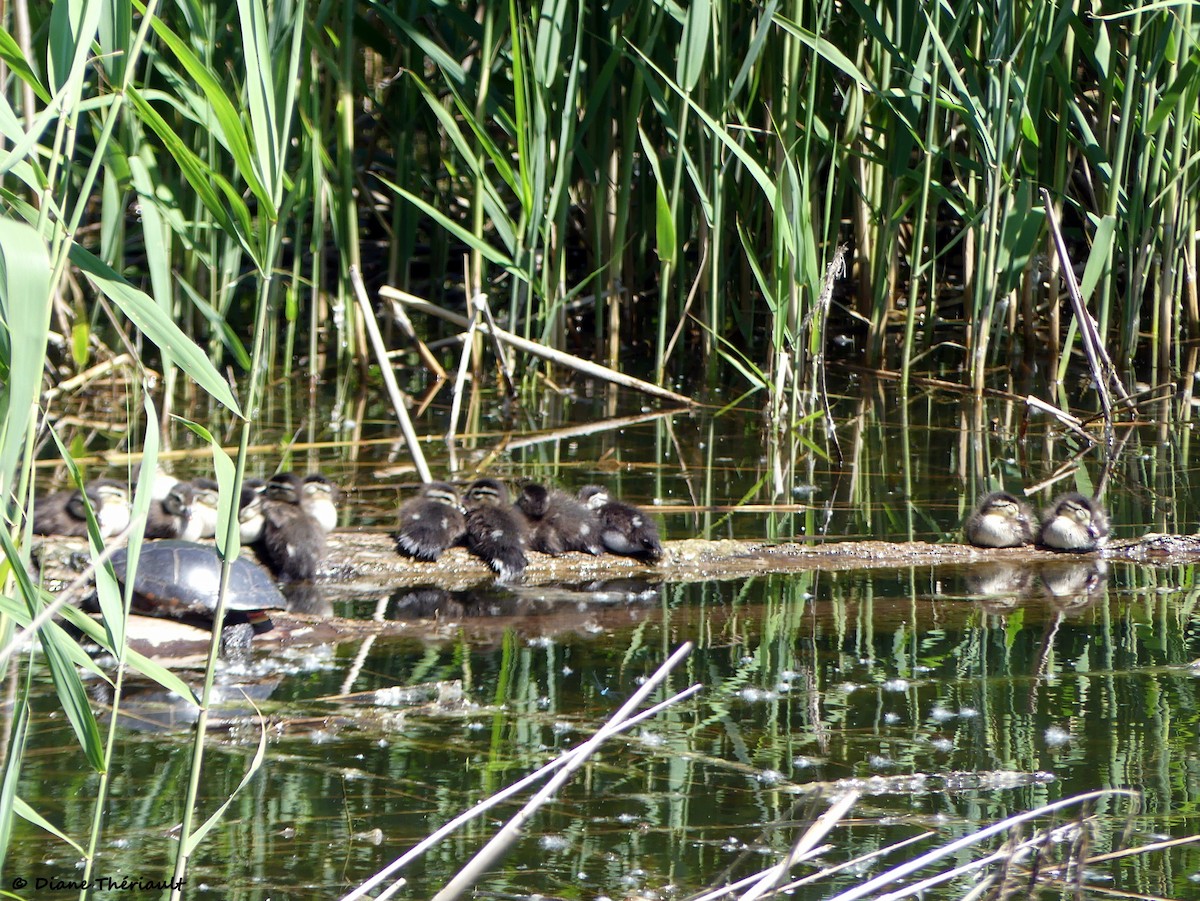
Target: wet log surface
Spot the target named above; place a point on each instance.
(369, 560)
(458, 595)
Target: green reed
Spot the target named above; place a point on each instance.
(690, 168)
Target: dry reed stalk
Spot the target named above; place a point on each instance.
(389, 377)
(546, 353)
(612, 727)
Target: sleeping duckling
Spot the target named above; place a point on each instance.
(430, 522)
(999, 520)
(318, 497)
(624, 528)
(558, 522)
(251, 513)
(1074, 523)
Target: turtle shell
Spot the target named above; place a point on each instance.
(181, 579)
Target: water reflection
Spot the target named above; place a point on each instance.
(1067, 583)
(433, 602)
(902, 683)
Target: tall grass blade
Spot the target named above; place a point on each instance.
(25, 321)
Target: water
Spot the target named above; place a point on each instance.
(949, 697)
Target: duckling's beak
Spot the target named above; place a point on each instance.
(1093, 531)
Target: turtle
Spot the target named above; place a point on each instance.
(180, 579)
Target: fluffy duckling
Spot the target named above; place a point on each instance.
(558, 522)
(999, 520)
(170, 515)
(65, 512)
(495, 531)
(202, 519)
(1074, 523)
(251, 516)
(430, 522)
(318, 497)
(293, 541)
(624, 528)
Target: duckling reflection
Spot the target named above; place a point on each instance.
(1074, 523)
(1074, 583)
(309, 598)
(1000, 519)
(999, 584)
(570, 602)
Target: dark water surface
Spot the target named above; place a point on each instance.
(949, 697)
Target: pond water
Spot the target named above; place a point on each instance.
(949, 697)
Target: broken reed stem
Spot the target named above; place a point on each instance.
(819, 320)
(482, 305)
(824, 873)
(426, 355)
(389, 377)
(870, 888)
(503, 795)
(538, 350)
(468, 876)
(1104, 373)
(459, 382)
(803, 848)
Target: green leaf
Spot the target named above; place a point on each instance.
(227, 494)
(27, 813)
(234, 220)
(18, 732)
(693, 49)
(664, 222)
(147, 316)
(230, 132)
(1099, 257)
(11, 53)
(62, 655)
(192, 841)
(25, 316)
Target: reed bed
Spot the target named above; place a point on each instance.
(188, 188)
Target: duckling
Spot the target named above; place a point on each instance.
(65, 512)
(160, 485)
(1074, 523)
(318, 497)
(293, 541)
(430, 522)
(202, 520)
(495, 531)
(624, 528)
(558, 522)
(251, 517)
(999, 520)
(170, 515)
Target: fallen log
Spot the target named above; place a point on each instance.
(457, 595)
(369, 560)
